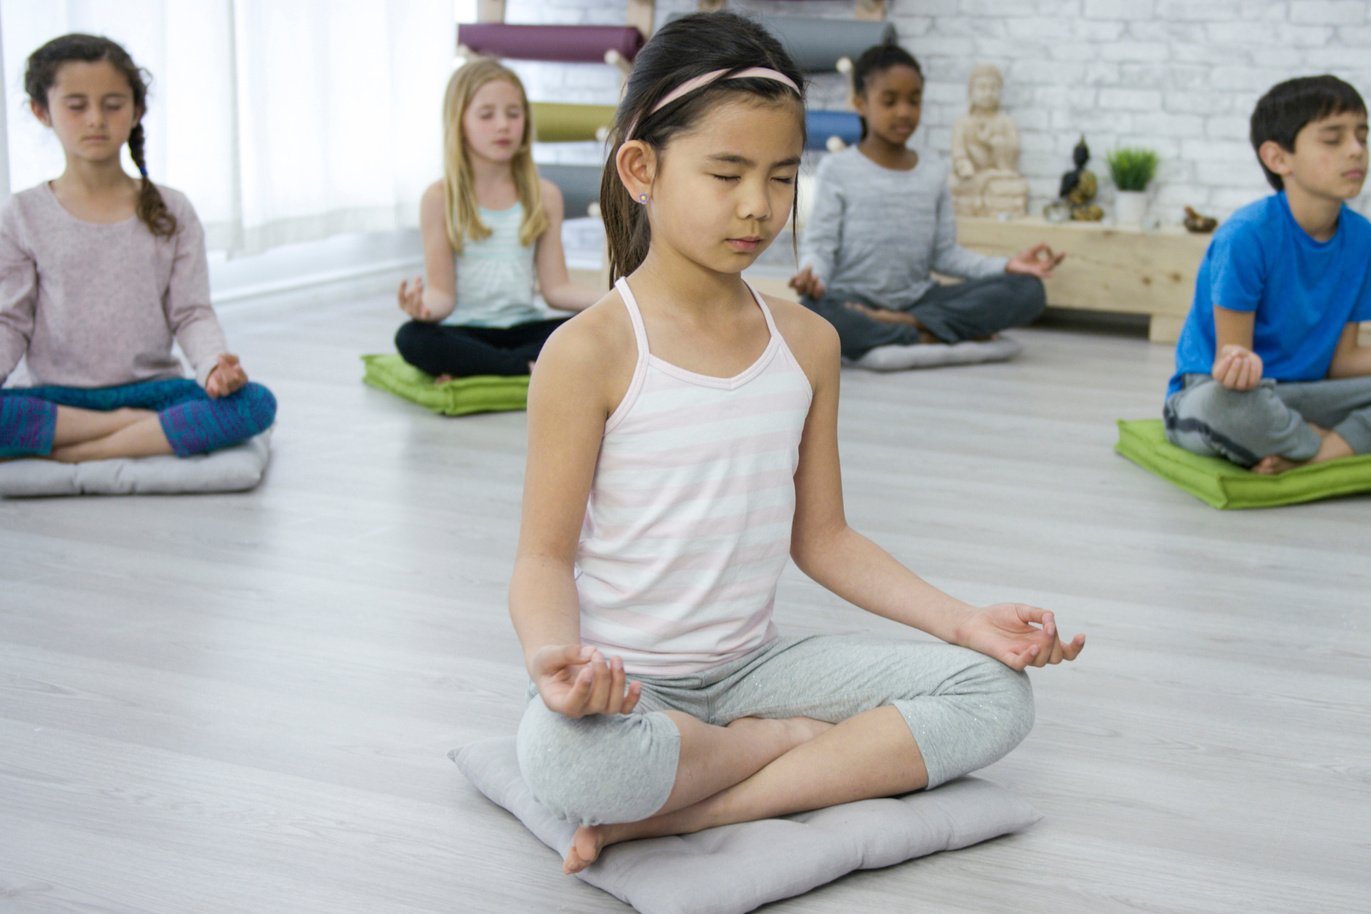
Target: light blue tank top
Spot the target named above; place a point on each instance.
(495, 275)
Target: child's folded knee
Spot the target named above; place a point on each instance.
(412, 335)
(597, 769)
(261, 406)
(1006, 694)
(1028, 297)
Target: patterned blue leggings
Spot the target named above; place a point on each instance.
(193, 422)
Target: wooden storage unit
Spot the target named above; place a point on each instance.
(1107, 267)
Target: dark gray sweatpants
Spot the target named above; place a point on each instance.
(965, 710)
(1208, 419)
(969, 310)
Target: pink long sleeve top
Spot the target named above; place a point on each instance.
(97, 305)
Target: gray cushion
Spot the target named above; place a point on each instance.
(230, 470)
(737, 868)
(934, 355)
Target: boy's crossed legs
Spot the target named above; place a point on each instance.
(908, 715)
(1274, 427)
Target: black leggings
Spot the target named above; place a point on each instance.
(464, 351)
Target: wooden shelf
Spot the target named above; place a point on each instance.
(1107, 267)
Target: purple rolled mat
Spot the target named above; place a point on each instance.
(563, 43)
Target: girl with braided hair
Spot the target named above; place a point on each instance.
(99, 273)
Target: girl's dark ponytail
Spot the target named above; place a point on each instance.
(627, 234)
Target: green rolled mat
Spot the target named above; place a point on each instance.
(558, 123)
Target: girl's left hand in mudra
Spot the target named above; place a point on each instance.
(1017, 635)
(225, 377)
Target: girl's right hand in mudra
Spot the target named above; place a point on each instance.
(411, 299)
(577, 680)
(807, 284)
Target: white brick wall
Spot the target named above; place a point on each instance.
(1180, 76)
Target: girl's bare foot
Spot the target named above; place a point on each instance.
(586, 845)
(1332, 446)
(789, 732)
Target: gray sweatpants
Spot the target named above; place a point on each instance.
(1208, 419)
(969, 310)
(965, 710)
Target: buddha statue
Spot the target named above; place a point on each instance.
(985, 153)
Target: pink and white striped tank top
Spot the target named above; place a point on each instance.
(687, 528)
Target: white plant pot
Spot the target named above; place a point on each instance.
(1130, 208)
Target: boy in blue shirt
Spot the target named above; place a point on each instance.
(1268, 371)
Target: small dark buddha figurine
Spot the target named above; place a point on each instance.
(1080, 185)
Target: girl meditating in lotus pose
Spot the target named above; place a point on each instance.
(682, 445)
(883, 221)
(99, 272)
(488, 226)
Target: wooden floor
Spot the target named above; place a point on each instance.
(243, 703)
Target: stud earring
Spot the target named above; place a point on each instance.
(642, 198)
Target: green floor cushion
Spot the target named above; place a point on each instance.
(1227, 485)
(737, 868)
(476, 394)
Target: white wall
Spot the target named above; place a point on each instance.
(1180, 76)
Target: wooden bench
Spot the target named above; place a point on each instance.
(1107, 267)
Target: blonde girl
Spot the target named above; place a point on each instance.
(488, 227)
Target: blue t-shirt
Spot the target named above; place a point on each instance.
(1303, 291)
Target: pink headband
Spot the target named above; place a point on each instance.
(704, 79)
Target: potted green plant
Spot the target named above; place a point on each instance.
(1132, 169)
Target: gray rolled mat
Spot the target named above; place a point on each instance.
(817, 44)
(579, 184)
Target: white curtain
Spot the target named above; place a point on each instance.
(283, 120)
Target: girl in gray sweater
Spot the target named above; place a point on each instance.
(882, 221)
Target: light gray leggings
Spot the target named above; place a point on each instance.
(1208, 419)
(965, 709)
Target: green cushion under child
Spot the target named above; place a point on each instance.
(1226, 485)
(458, 397)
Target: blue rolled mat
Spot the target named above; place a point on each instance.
(579, 184)
(820, 125)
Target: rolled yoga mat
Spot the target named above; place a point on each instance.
(579, 184)
(820, 126)
(558, 123)
(563, 43)
(817, 45)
